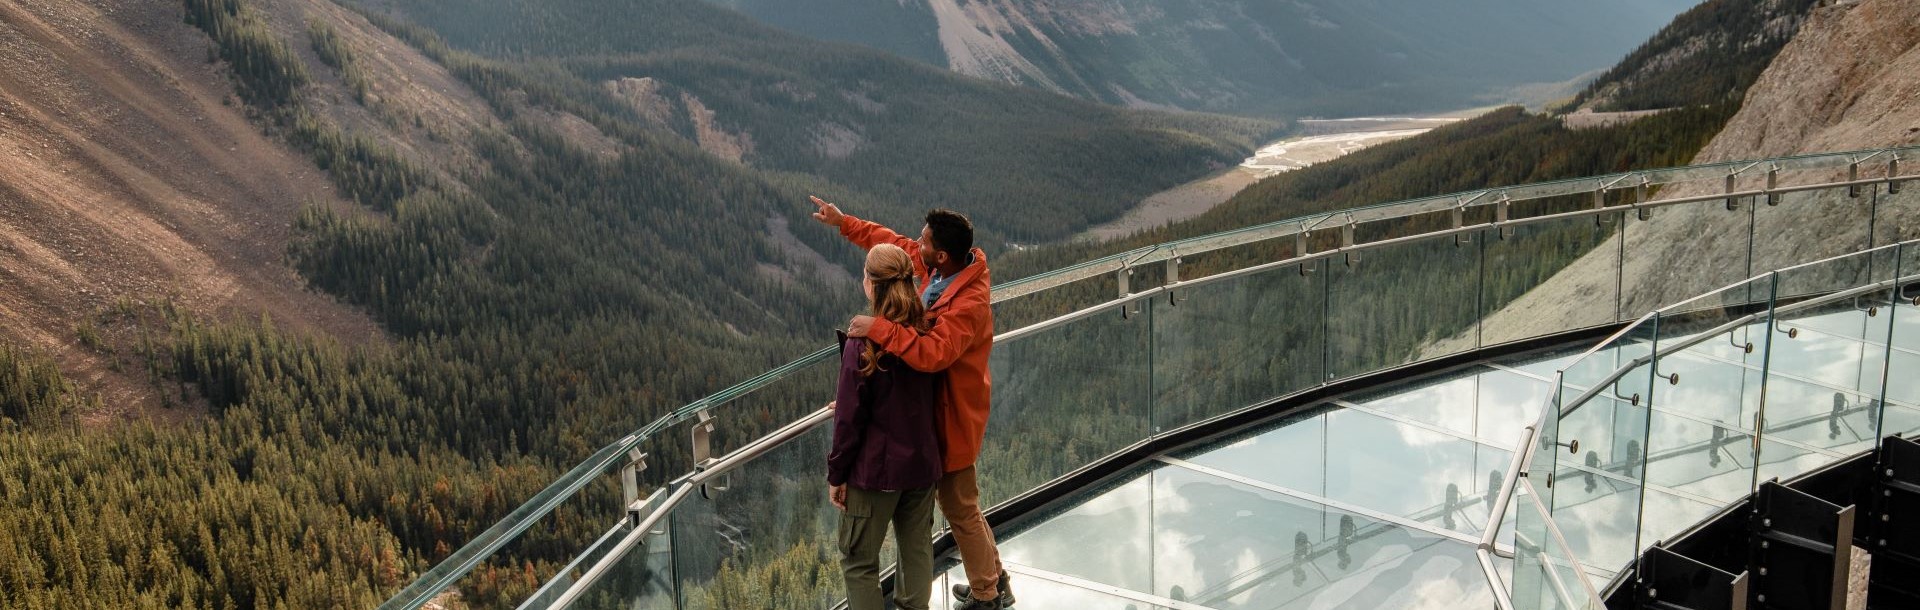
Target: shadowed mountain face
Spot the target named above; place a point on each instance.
(1245, 56)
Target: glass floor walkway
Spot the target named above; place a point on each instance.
(1378, 500)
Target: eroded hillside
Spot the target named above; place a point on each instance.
(129, 171)
(1849, 80)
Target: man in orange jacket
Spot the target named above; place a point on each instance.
(959, 297)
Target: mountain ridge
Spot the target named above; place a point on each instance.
(1281, 59)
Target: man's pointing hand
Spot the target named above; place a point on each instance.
(827, 213)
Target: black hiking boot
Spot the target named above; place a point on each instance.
(963, 594)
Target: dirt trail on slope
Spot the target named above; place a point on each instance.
(127, 171)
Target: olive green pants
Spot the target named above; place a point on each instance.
(863, 528)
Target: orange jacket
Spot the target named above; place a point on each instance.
(960, 342)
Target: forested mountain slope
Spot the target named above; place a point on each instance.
(127, 172)
(1709, 54)
(906, 136)
(1249, 57)
(551, 259)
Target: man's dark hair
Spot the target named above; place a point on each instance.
(952, 233)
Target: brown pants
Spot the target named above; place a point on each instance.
(959, 496)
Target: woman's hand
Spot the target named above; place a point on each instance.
(837, 494)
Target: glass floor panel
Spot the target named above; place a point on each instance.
(1377, 500)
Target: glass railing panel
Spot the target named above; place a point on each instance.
(1891, 210)
(773, 519)
(1065, 398)
(1401, 304)
(1545, 367)
(1049, 280)
(1236, 343)
(1809, 226)
(1658, 273)
(1602, 442)
(1227, 545)
(1903, 387)
(1542, 577)
(1581, 254)
(1824, 375)
(641, 579)
(1508, 402)
(1600, 513)
(1706, 393)
(741, 417)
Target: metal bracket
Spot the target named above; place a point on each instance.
(1792, 333)
(1733, 203)
(1866, 304)
(1600, 203)
(1502, 210)
(1773, 182)
(1672, 379)
(1853, 174)
(1300, 249)
(630, 485)
(1460, 220)
(1173, 277)
(1633, 400)
(703, 459)
(1125, 278)
(1640, 195)
(1346, 241)
(1744, 347)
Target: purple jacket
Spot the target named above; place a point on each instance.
(886, 435)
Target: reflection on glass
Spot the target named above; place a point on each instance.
(1224, 545)
(772, 516)
(1508, 403)
(1400, 304)
(1235, 343)
(1448, 402)
(640, 580)
(1118, 519)
(1065, 398)
(1586, 251)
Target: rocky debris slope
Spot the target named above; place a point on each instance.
(1849, 80)
(127, 171)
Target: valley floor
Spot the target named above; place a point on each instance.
(1316, 141)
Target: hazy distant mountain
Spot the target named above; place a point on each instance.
(1246, 56)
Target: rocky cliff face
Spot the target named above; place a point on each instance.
(1849, 80)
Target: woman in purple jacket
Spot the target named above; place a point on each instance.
(886, 447)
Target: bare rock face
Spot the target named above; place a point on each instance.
(1849, 80)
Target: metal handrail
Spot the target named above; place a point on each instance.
(466, 558)
(1523, 458)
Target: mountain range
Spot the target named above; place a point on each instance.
(1257, 57)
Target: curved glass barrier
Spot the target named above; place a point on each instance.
(1692, 407)
(1097, 357)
